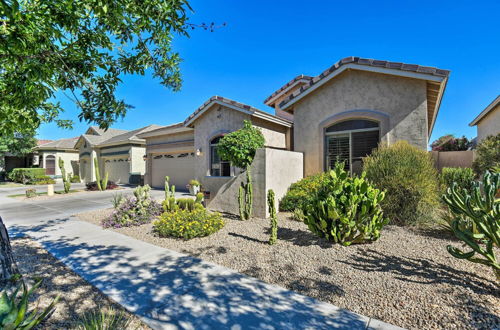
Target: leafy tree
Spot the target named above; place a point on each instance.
(487, 155)
(82, 48)
(239, 148)
(18, 145)
(451, 143)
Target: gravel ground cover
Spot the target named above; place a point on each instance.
(77, 296)
(406, 278)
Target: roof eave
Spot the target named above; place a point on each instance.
(485, 112)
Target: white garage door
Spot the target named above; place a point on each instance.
(118, 170)
(179, 167)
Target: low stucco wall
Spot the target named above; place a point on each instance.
(271, 169)
(453, 158)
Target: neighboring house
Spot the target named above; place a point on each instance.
(8, 161)
(50, 152)
(488, 121)
(120, 153)
(341, 114)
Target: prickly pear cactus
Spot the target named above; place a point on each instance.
(483, 209)
(345, 210)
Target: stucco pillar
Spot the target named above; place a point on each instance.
(93, 155)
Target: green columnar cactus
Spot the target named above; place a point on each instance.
(167, 187)
(274, 218)
(199, 198)
(483, 209)
(66, 178)
(241, 201)
(104, 183)
(97, 174)
(245, 197)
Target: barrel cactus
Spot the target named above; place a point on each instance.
(482, 209)
(345, 209)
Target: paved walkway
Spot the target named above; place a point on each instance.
(170, 290)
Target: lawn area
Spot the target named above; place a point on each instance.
(43, 193)
(10, 185)
(406, 278)
(77, 296)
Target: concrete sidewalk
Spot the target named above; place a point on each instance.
(170, 290)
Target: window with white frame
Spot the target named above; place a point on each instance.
(218, 166)
(349, 141)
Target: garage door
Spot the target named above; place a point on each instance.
(118, 170)
(179, 167)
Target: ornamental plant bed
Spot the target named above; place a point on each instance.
(406, 278)
(77, 296)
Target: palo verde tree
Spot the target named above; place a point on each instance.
(81, 49)
(239, 149)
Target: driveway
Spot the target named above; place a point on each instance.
(166, 289)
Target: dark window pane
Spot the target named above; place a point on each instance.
(363, 143)
(352, 125)
(225, 169)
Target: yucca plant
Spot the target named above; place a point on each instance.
(483, 210)
(104, 320)
(14, 312)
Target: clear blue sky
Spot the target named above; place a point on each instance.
(266, 43)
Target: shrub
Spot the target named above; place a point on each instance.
(134, 211)
(239, 148)
(482, 209)
(75, 179)
(194, 183)
(188, 224)
(487, 155)
(408, 176)
(14, 311)
(26, 175)
(92, 186)
(345, 209)
(301, 192)
(104, 320)
(451, 143)
(462, 176)
(45, 179)
(30, 193)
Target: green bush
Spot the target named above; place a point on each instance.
(462, 176)
(30, 193)
(482, 209)
(301, 192)
(188, 224)
(408, 176)
(104, 320)
(345, 209)
(26, 175)
(487, 155)
(44, 179)
(75, 179)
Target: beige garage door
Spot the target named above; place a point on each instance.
(179, 167)
(118, 170)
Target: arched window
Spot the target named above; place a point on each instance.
(50, 165)
(218, 166)
(349, 141)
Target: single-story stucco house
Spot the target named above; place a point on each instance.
(488, 121)
(49, 154)
(343, 113)
(119, 152)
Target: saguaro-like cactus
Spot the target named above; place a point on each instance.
(169, 191)
(483, 210)
(245, 197)
(101, 184)
(274, 218)
(66, 178)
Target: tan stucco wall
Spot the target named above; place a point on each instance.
(453, 158)
(137, 162)
(399, 104)
(267, 172)
(489, 125)
(70, 161)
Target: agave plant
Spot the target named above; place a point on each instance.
(14, 312)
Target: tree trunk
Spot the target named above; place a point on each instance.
(8, 266)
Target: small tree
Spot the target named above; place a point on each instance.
(239, 148)
(66, 178)
(451, 143)
(487, 155)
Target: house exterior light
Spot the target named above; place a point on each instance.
(198, 152)
(144, 157)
